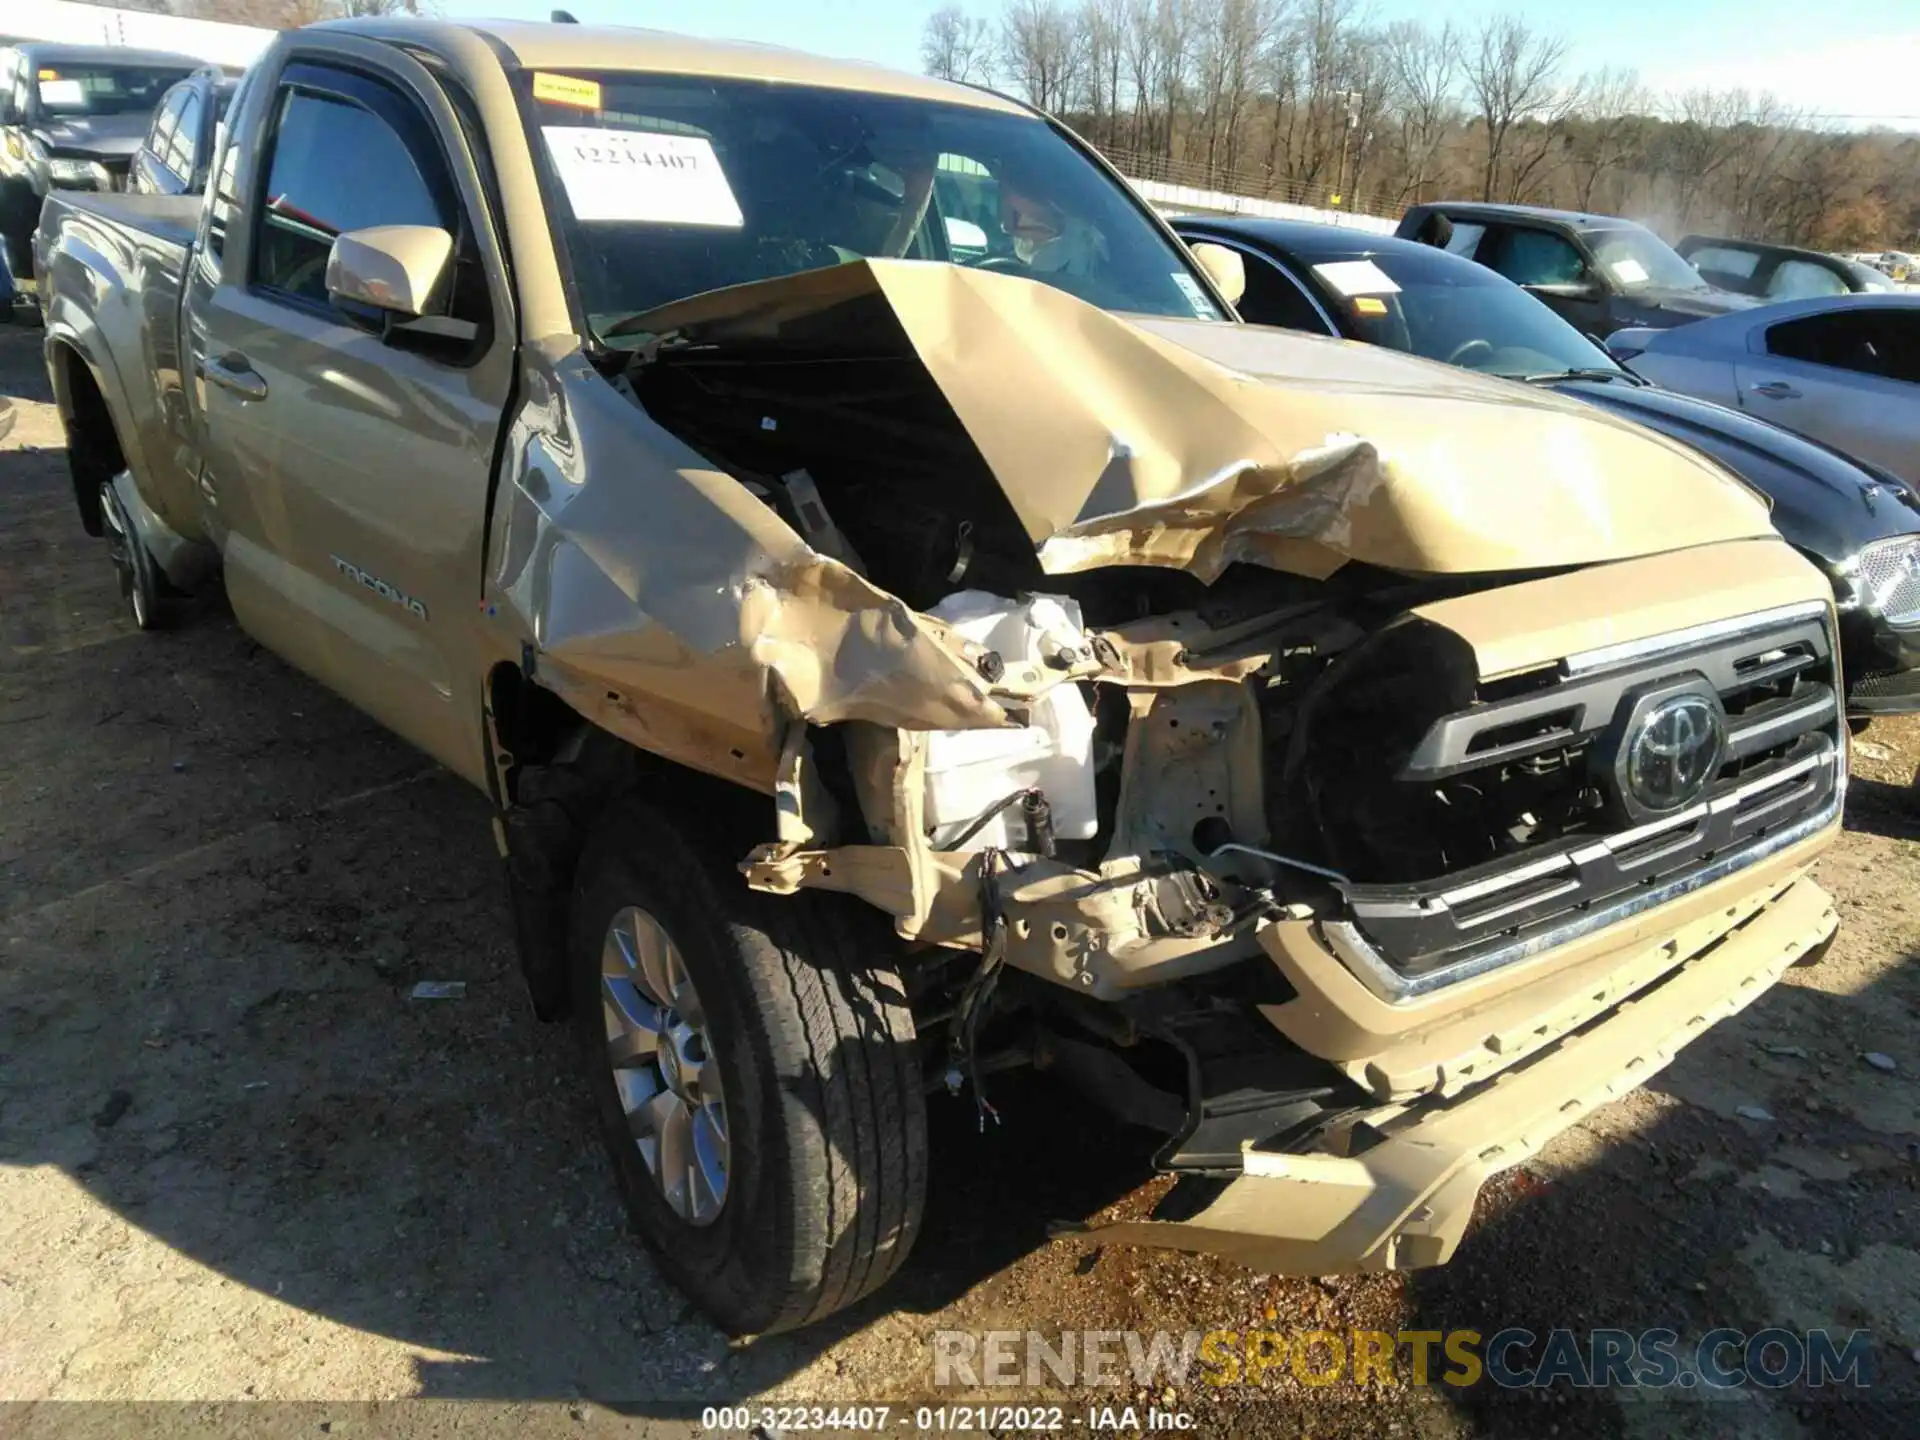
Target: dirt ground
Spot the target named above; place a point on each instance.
(238, 1163)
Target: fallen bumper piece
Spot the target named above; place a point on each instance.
(1406, 1201)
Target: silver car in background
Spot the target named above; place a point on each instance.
(1841, 368)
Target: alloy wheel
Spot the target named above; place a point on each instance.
(663, 1065)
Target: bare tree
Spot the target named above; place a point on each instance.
(1423, 69)
(1610, 116)
(1040, 46)
(957, 46)
(1307, 98)
(1512, 74)
(290, 14)
(1764, 134)
(1101, 24)
(1232, 34)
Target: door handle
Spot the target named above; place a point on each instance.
(1777, 390)
(232, 372)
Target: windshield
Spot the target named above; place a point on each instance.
(1428, 303)
(669, 186)
(72, 92)
(1640, 260)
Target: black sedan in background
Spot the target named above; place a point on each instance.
(1860, 525)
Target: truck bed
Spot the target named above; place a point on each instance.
(168, 219)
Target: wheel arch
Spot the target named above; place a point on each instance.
(96, 451)
(552, 773)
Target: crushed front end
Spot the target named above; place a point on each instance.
(1348, 770)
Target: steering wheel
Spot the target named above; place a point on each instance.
(1001, 265)
(1477, 349)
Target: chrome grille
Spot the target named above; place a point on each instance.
(1781, 779)
(1890, 577)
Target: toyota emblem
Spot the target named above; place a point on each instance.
(1674, 752)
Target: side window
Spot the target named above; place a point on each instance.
(1868, 342)
(223, 197)
(1535, 257)
(1803, 280)
(186, 138)
(1724, 260)
(336, 166)
(224, 202)
(1273, 298)
(1465, 239)
(165, 121)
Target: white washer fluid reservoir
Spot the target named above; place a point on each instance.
(969, 771)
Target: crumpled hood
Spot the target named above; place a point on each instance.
(99, 137)
(1194, 444)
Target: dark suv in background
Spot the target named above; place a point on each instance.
(1599, 272)
(174, 157)
(71, 117)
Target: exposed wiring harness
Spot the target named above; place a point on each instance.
(963, 1060)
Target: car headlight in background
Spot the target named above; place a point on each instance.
(1889, 577)
(79, 172)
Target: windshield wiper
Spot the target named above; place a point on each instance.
(1593, 373)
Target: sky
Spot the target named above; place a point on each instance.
(1855, 62)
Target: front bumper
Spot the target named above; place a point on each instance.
(1881, 661)
(1405, 1202)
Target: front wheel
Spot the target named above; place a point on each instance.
(752, 1064)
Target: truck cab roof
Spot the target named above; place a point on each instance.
(537, 46)
(1572, 219)
(41, 53)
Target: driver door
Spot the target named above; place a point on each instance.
(347, 463)
(1529, 255)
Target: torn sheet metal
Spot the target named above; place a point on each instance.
(1191, 444)
(669, 604)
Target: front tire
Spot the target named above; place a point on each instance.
(752, 1064)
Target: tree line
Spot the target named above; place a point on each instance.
(272, 14)
(1310, 100)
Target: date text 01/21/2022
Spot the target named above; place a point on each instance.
(780, 1420)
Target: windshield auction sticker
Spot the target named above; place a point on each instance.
(1357, 277)
(566, 90)
(653, 179)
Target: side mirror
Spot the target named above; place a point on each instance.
(396, 268)
(1224, 267)
(1568, 290)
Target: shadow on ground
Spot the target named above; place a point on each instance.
(218, 885)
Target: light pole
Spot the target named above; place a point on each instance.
(1351, 97)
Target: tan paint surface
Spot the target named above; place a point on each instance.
(1195, 444)
(1541, 622)
(1406, 1202)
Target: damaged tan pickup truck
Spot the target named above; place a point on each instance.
(907, 628)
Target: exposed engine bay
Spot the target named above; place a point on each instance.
(1226, 696)
(1185, 764)
(1184, 734)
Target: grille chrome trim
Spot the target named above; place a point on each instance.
(1607, 657)
(1889, 573)
(1390, 985)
